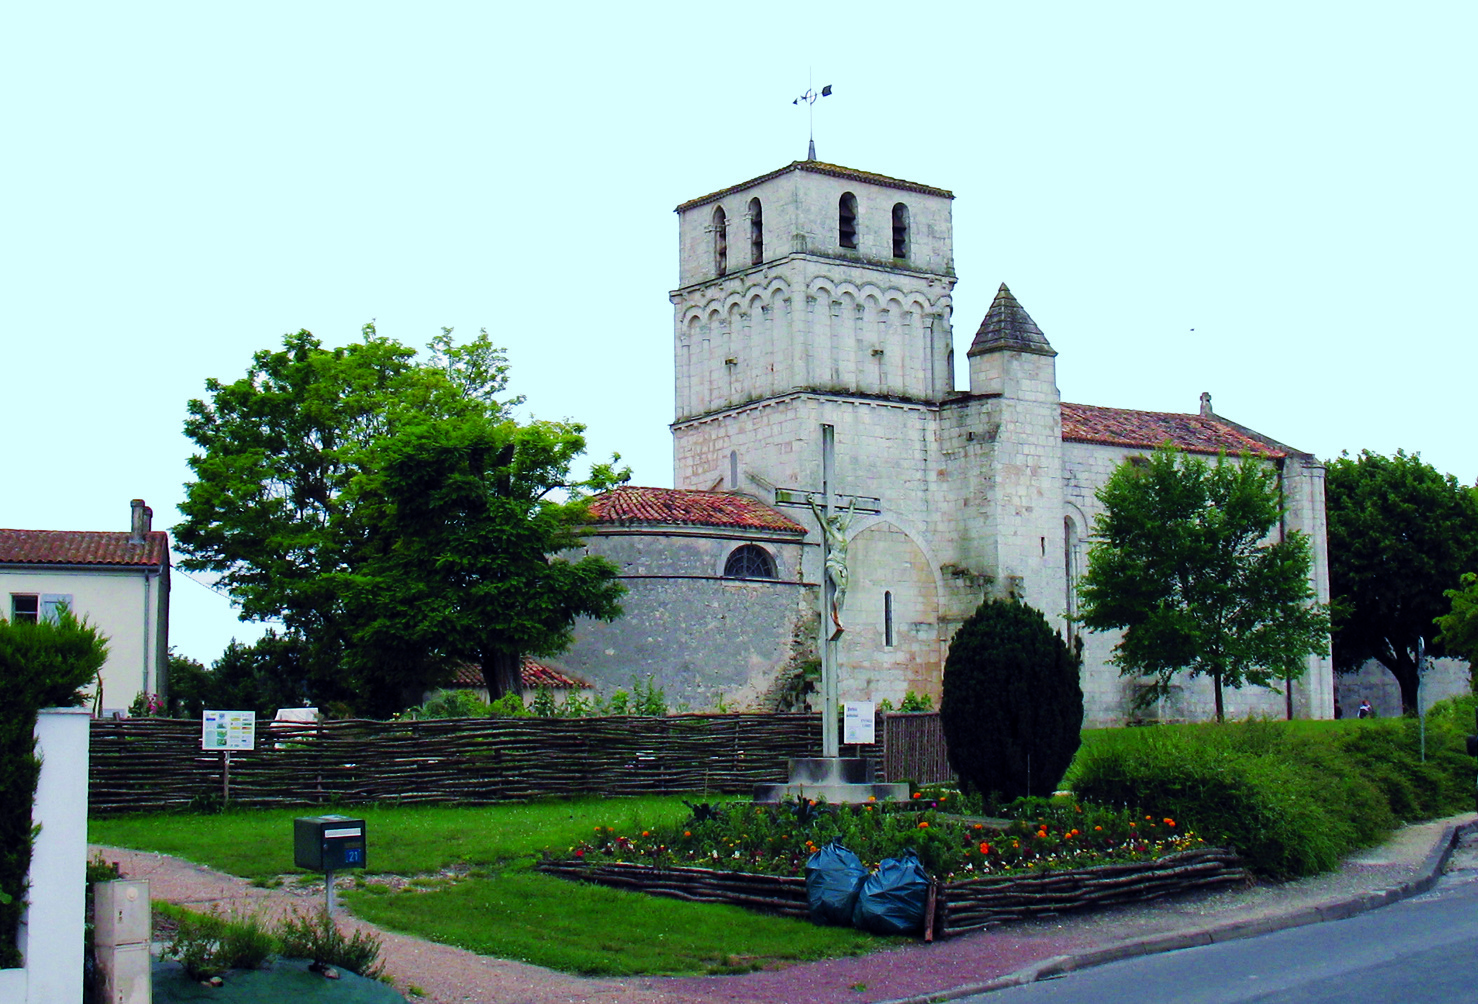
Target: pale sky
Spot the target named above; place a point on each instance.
(1270, 202)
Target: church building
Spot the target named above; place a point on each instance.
(818, 295)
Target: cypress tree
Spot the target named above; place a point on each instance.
(1012, 707)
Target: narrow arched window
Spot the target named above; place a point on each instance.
(756, 232)
(1070, 573)
(720, 241)
(749, 561)
(847, 221)
(888, 619)
(900, 231)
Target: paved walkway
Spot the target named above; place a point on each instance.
(1016, 953)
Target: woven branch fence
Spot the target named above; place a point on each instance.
(146, 764)
(959, 906)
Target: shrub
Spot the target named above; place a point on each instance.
(450, 704)
(1291, 801)
(42, 665)
(315, 936)
(1012, 708)
(209, 944)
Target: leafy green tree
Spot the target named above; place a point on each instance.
(1012, 706)
(1183, 565)
(296, 506)
(464, 553)
(43, 664)
(1459, 627)
(1400, 535)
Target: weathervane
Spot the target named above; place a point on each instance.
(809, 99)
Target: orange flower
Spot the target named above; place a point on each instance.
(984, 847)
(687, 833)
(1169, 821)
(980, 826)
(924, 824)
(646, 833)
(918, 794)
(1098, 827)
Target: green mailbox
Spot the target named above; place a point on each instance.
(328, 843)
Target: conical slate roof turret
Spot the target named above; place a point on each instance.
(1008, 326)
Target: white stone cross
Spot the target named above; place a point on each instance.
(833, 575)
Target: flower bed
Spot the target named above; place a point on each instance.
(959, 906)
(1057, 856)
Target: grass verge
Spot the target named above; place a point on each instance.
(496, 905)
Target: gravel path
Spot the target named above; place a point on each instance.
(449, 975)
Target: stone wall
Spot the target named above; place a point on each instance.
(697, 635)
(1374, 683)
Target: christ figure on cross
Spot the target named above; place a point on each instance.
(835, 528)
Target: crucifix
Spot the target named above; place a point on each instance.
(834, 572)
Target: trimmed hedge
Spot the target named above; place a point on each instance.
(1291, 798)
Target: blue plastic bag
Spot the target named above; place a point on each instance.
(894, 898)
(833, 877)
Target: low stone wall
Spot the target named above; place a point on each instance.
(959, 906)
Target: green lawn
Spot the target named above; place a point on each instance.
(501, 907)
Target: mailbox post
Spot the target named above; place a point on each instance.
(327, 844)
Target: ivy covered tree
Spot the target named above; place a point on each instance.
(313, 475)
(1401, 534)
(1185, 565)
(1012, 705)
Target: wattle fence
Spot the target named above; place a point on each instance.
(146, 764)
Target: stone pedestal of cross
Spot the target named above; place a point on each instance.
(830, 776)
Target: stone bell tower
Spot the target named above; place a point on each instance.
(810, 284)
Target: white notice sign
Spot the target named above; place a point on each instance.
(857, 722)
(228, 730)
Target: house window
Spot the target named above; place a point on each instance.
(756, 232)
(25, 608)
(33, 608)
(720, 241)
(749, 562)
(888, 619)
(900, 231)
(847, 221)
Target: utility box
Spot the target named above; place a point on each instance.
(328, 843)
(121, 936)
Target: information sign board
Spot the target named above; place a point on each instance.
(857, 722)
(228, 730)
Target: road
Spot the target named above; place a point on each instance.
(1424, 949)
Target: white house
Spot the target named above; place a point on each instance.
(118, 581)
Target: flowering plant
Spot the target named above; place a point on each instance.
(777, 840)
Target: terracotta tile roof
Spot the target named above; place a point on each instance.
(817, 167)
(1086, 423)
(632, 505)
(535, 674)
(82, 547)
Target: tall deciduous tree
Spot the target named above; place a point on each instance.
(1400, 535)
(469, 550)
(293, 507)
(1184, 566)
